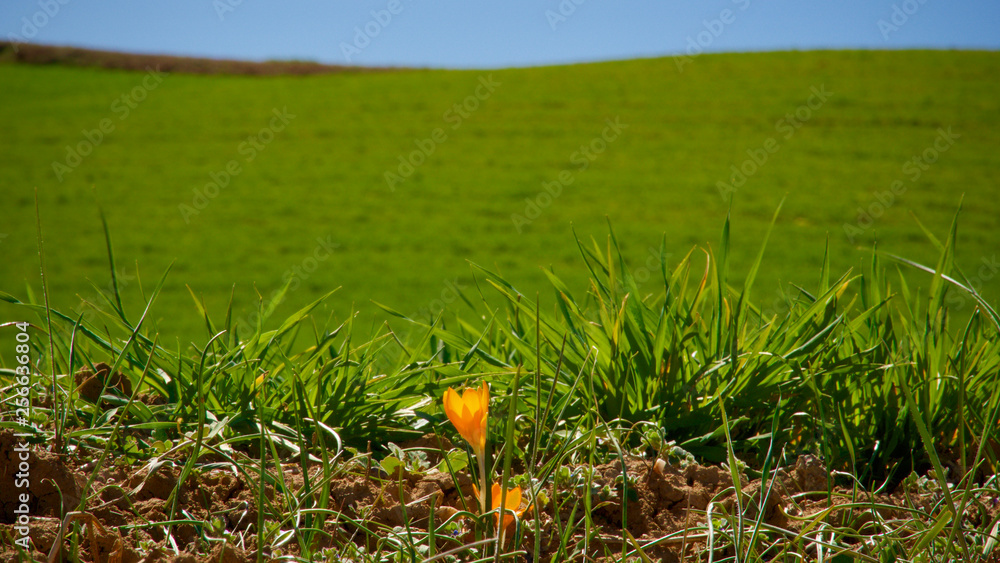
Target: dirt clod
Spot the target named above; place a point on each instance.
(810, 474)
(90, 384)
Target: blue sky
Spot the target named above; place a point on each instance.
(469, 34)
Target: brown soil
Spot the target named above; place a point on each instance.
(662, 499)
(30, 53)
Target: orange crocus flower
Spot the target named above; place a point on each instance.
(510, 503)
(469, 414)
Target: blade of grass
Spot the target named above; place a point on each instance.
(56, 395)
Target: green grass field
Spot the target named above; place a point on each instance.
(323, 176)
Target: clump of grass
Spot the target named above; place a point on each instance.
(853, 370)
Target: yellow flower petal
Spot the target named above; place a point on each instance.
(469, 413)
(471, 400)
(449, 399)
(511, 503)
(513, 500)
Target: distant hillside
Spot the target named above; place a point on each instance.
(29, 53)
(386, 184)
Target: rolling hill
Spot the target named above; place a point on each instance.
(388, 184)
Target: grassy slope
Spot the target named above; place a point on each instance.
(323, 175)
